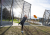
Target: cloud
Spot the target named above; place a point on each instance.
(30, 1)
(37, 10)
(17, 11)
(38, 7)
(45, 5)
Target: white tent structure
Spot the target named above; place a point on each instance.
(8, 7)
(46, 16)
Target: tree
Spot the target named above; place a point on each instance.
(6, 14)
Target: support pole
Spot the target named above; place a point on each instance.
(22, 14)
(30, 11)
(12, 11)
(45, 18)
(1, 12)
(23, 8)
(28, 17)
(21, 17)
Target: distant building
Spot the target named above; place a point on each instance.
(44, 21)
(41, 19)
(48, 20)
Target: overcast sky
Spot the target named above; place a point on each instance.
(38, 7)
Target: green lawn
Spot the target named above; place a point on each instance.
(45, 29)
(14, 20)
(34, 24)
(4, 20)
(28, 30)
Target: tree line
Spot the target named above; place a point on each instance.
(6, 14)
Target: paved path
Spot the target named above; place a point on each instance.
(16, 24)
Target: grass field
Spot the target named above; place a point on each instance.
(14, 20)
(34, 24)
(28, 30)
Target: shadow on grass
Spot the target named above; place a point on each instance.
(27, 31)
(42, 30)
(5, 31)
(1, 27)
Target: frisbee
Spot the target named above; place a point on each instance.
(35, 16)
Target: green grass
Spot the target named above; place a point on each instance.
(10, 20)
(44, 28)
(10, 31)
(4, 20)
(28, 30)
(14, 20)
(34, 24)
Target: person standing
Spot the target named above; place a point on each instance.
(22, 22)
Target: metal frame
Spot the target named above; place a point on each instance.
(5, 7)
(1, 12)
(11, 9)
(46, 17)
